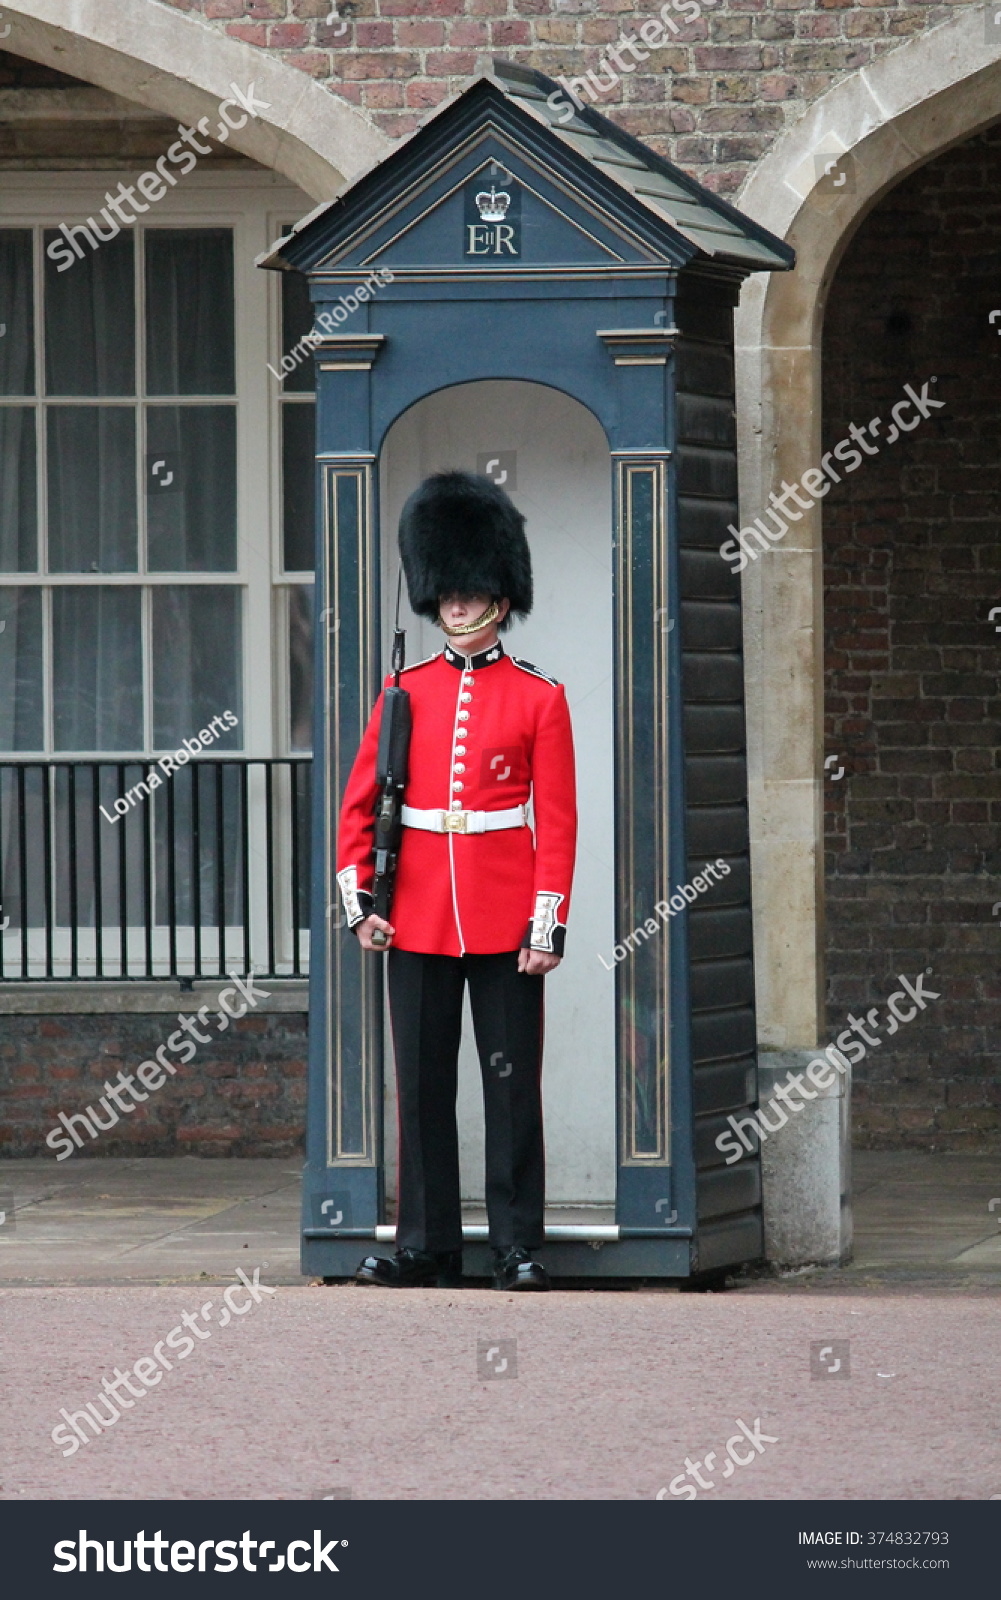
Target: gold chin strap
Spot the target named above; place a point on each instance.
(490, 615)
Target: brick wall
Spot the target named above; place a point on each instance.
(243, 1096)
(714, 99)
(913, 696)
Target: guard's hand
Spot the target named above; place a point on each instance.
(365, 930)
(537, 962)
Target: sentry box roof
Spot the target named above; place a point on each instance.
(587, 197)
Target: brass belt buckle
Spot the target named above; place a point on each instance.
(454, 821)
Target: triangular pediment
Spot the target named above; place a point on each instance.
(494, 184)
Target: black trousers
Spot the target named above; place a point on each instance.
(425, 1002)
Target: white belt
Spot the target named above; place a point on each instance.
(465, 821)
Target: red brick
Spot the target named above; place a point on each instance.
(449, 64)
(428, 33)
(426, 94)
(509, 32)
(387, 64)
(248, 32)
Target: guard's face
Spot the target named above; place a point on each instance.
(458, 609)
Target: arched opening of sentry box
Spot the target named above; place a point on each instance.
(552, 456)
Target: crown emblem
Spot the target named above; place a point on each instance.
(493, 206)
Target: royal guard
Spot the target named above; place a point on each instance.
(479, 897)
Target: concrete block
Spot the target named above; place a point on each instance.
(806, 1166)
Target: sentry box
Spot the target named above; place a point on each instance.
(523, 290)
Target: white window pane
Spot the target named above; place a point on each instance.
(300, 666)
(17, 313)
(197, 651)
(298, 486)
(18, 490)
(97, 700)
(191, 488)
(297, 319)
(189, 311)
(90, 317)
(92, 489)
(21, 724)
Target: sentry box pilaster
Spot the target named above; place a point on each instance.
(529, 246)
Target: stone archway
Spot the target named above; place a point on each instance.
(161, 58)
(890, 118)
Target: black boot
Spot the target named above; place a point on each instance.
(515, 1269)
(413, 1269)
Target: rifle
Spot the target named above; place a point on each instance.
(392, 762)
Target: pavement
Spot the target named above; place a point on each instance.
(875, 1381)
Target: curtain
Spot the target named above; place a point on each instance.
(196, 651)
(298, 486)
(90, 342)
(93, 519)
(17, 315)
(300, 666)
(97, 698)
(191, 488)
(189, 311)
(21, 720)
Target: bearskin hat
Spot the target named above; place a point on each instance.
(460, 534)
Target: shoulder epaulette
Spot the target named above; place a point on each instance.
(527, 666)
(427, 660)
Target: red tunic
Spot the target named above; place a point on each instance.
(489, 733)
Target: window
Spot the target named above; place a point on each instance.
(118, 461)
(157, 495)
(156, 555)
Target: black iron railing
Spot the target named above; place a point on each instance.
(114, 870)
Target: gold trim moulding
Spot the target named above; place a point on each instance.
(638, 347)
(642, 453)
(356, 349)
(509, 274)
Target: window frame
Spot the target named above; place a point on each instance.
(254, 205)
